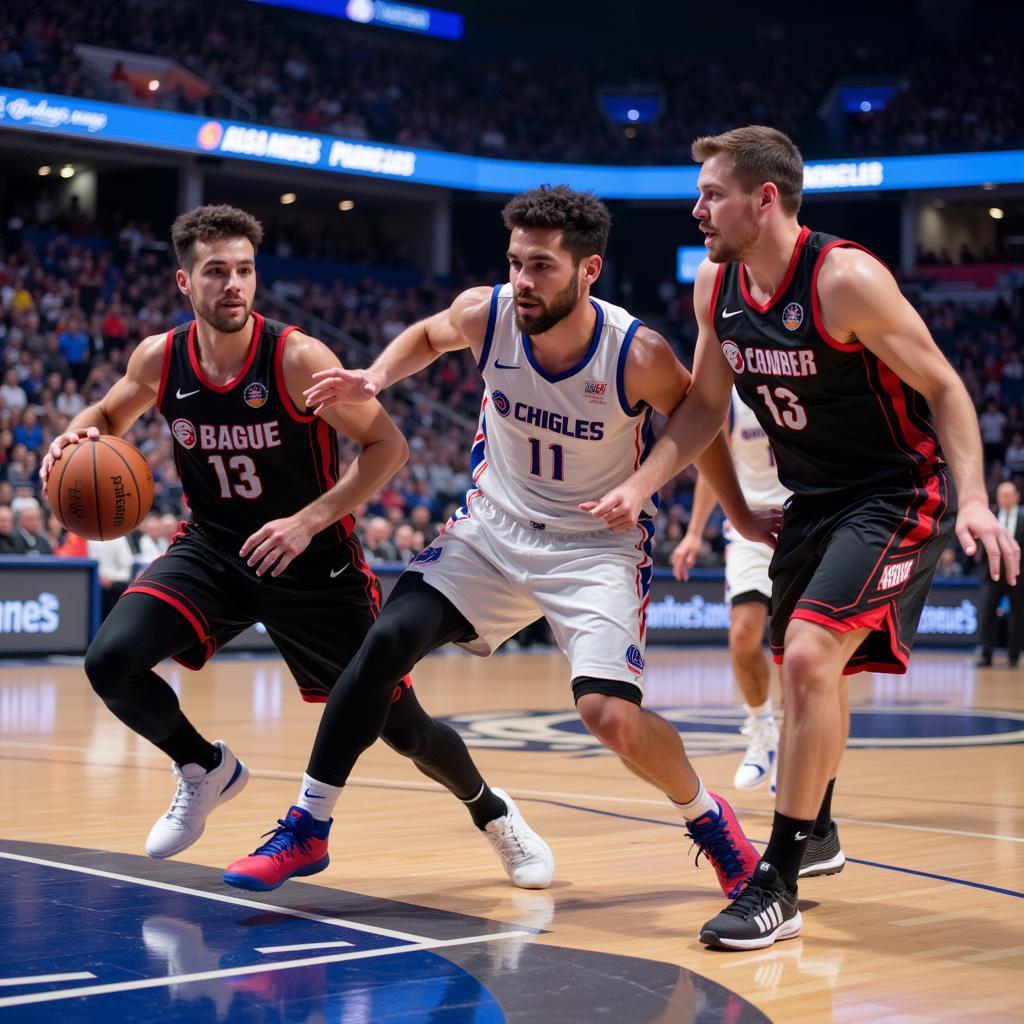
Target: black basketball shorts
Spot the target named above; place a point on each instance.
(862, 562)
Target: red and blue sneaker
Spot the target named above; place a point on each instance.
(720, 838)
(298, 846)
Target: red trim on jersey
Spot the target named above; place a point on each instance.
(164, 367)
(928, 515)
(207, 641)
(193, 357)
(286, 398)
(719, 277)
(873, 619)
(781, 290)
(819, 322)
(923, 443)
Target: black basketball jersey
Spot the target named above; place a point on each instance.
(245, 454)
(837, 417)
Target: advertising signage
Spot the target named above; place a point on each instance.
(423, 21)
(186, 133)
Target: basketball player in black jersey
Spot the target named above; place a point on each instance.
(270, 538)
(863, 412)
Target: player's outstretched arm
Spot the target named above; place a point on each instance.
(691, 427)
(121, 406)
(862, 302)
(274, 546)
(460, 326)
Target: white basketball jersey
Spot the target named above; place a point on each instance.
(547, 442)
(754, 459)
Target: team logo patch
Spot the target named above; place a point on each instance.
(895, 574)
(501, 403)
(184, 433)
(209, 135)
(732, 353)
(256, 395)
(428, 555)
(594, 388)
(634, 659)
(793, 316)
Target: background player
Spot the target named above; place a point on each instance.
(855, 396)
(269, 540)
(571, 382)
(748, 588)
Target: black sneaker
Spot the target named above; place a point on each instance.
(823, 855)
(764, 912)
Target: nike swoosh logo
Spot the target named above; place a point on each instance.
(312, 796)
(800, 836)
(726, 314)
(338, 572)
(186, 394)
(499, 365)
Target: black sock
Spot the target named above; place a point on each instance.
(186, 746)
(485, 806)
(786, 847)
(824, 820)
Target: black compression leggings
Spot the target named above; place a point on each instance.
(415, 620)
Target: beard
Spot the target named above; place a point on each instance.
(561, 306)
(225, 321)
(733, 252)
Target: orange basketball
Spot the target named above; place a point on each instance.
(100, 489)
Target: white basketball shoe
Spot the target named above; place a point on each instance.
(198, 792)
(526, 858)
(757, 763)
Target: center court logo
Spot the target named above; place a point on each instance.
(715, 730)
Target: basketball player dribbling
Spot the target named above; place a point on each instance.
(856, 398)
(748, 589)
(270, 538)
(570, 385)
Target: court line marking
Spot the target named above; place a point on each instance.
(542, 794)
(236, 972)
(219, 897)
(298, 947)
(42, 979)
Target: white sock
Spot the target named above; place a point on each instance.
(699, 805)
(318, 798)
(764, 710)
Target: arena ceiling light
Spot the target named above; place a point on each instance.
(67, 171)
(996, 213)
(346, 204)
(287, 198)
(45, 170)
(154, 84)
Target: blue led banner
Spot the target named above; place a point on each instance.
(426, 21)
(185, 133)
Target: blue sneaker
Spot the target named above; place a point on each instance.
(720, 838)
(298, 846)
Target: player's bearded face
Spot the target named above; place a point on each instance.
(548, 313)
(222, 283)
(734, 235)
(225, 313)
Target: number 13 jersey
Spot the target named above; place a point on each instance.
(839, 419)
(546, 442)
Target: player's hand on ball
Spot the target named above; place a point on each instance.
(275, 545)
(340, 385)
(620, 508)
(62, 442)
(684, 556)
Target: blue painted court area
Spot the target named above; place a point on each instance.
(106, 948)
(90, 936)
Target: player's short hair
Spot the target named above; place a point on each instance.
(759, 154)
(582, 218)
(210, 224)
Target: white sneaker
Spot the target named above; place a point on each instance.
(526, 858)
(761, 752)
(198, 792)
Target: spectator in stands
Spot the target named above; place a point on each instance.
(377, 541)
(12, 394)
(75, 347)
(408, 543)
(116, 568)
(8, 545)
(150, 542)
(29, 536)
(993, 431)
(29, 432)
(69, 402)
(1013, 458)
(949, 566)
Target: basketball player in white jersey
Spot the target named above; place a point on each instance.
(570, 386)
(748, 588)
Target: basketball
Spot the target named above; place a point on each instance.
(101, 489)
